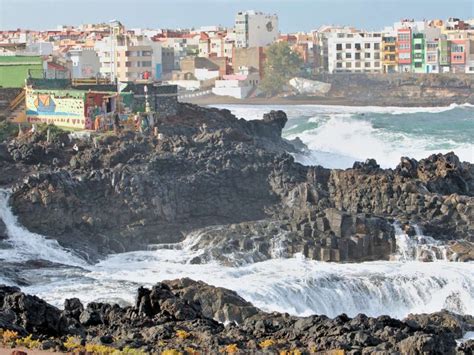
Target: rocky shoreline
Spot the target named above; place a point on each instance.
(211, 169)
(232, 189)
(186, 316)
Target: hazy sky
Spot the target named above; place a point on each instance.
(294, 15)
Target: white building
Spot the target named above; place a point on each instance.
(255, 29)
(85, 63)
(355, 52)
(128, 58)
(237, 85)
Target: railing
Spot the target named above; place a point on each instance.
(18, 100)
(91, 81)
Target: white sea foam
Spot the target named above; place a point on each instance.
(341, 135)
(30, 246)
(295, 285)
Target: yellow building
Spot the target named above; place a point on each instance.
(389, 54)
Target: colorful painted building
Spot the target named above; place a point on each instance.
(404, 53)
(389, 54)
(444, 55)
(418, 53)
(71, 108)
(432, 56)
(458, 55)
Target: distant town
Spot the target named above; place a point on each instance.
(107, 59)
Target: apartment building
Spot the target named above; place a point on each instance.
(85, 63)
(355, 52)
(389, 54)
(458, 54)
(418, 53)
(129, 58)
(404, 51)
(255, 29)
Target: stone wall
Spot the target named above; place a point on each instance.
(400, 88)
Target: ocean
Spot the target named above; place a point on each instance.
(340, 135)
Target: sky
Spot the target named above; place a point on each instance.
(294, 15)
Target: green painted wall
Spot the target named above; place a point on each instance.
(14, 70)
(418, 53)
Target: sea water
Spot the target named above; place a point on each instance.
(339, 135)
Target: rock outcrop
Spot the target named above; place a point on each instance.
(208, 169)
(179, 315)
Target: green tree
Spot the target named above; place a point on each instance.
(281, 65)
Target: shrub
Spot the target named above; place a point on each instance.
(182, 334)
(8, 130)
(99, 349)
(231, 349)
(171, 352)
(266, 343)
(129, 351)
(72, 343)
(28, 342)
(9, 336)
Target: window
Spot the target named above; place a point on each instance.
(357, 64)
(376, 46)
(348, 56)
(377, 64)
(404, 56)
(418, 46)
(367, 45)
(147, 53)
(431, 57)
(146, 63)
(339, 47)
(418, 65)
(367, 64)
(348, 46)
(367, 55)
(357, 56)
(457, 49)
(338, 65)
(338, 56)
(348, 65)
(376, 55)
(404, 37)
(357, 46)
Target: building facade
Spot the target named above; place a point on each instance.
(255, 29)
(355, 52)
(404, 52)
(85, 63)
(389, 54)
(418, 53)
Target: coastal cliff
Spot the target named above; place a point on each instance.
(237, 182)
(363, 89)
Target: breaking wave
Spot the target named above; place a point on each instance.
(339, 135)
(295, 285)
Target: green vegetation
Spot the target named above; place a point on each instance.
(282, 64)
(7, 130)
(54, 131)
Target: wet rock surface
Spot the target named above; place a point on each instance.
(179, 315)
(209, 169)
